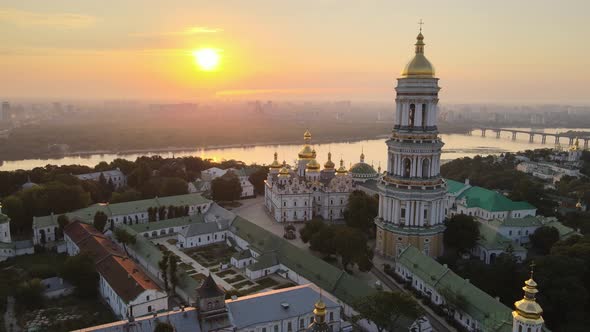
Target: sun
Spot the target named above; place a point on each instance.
(207, 58)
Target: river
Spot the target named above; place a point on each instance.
(456, 146)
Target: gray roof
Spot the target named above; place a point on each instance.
(269, 306)
(55, 283)
(183, 321)
(195, 229)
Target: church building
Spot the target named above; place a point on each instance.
(300, 193)
(412, 192)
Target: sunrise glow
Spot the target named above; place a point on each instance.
(207, 59)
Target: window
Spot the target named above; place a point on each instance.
(149, 308)
(284, 203)
(411, 115)
(290, 327)
(264, 329)
(425, 213)
(403, 213)
(331, 316)
(423, 115)
(147, 298)
(276, 328)
(294, 203)
(407, 167)
(301, 323)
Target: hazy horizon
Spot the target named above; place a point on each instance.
(529, 52)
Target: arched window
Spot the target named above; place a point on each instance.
(407, 167)
(425, 167)
(411, 115)
(423, 115)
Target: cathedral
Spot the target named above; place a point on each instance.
(412, 192)
(297, 194)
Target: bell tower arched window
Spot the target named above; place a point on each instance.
(425, 168)
(424, 116)
(407, 167)
(412, 115)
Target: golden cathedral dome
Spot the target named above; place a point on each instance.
(528, 310)
(313, 165)
(341, 170)
(275, 163)
(306, 152)
(329, 164)
(419, 66)
(284, 172)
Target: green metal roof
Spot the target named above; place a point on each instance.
(454, 186)
(564, 231)
(491, 201)
(491, 313)
(528, 221)
(174, 222)
(491, 239)
(347, 288)
(87, 214)
(363, 168)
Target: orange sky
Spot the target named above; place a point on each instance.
(501, 51)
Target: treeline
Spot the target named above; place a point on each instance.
(57, 190)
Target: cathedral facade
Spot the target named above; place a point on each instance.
(412, 192)
(299, 193)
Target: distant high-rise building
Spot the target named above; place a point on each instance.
(5, 111)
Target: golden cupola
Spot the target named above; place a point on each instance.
(275, 164)
(419, 66)
(528, 311)
(306, 151)
(284, 172)
(329, 164)
(341, 170)
(313, 165)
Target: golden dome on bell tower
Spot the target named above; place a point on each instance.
(419, 66)
(527, 311)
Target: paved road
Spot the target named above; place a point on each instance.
(438, 324)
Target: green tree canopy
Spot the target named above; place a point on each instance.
(543, 239)
(462, 232)
(226, 188)
(361, 211)
(385, 309)
(100, 220)
(80, 271)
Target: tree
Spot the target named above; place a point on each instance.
(163, 327)
(257, 179)
(80, 271)
(173, 186)
(543, 239)
(124, 237)
(100, 220)
(226, 188)
(13, 207)
(351, 246)
(462, 232)
(384, 309)
(163, 265)
(125, 196)
(62, 221)
(173, 267)
(361, 211)
(310, 228)
(29, 294)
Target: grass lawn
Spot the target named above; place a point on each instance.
(267, 282)
(185, 266)
(245, 283)
(233, 279)
(226, 272)
(211, 255)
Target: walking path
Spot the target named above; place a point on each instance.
(10, 323)
(438, 323)
(184, 258)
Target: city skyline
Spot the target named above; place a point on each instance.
(501, 52)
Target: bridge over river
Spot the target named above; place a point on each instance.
(557, 137)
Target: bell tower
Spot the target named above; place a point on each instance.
(412, 192)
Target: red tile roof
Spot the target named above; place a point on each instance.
(78, 231)
(125, 277)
